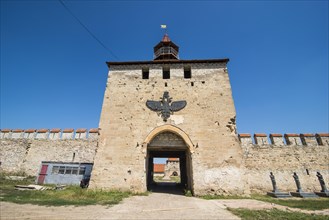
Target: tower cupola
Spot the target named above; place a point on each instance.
(166, 49)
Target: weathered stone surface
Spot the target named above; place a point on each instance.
(208, 120)
(26, 155)
(283, 162)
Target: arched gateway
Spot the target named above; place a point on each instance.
(168, 141)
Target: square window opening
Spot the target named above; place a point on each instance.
(61, 170)
(74, 170)
(55, 170)
(187, 73)
(145, 73)
(165, 73)
(82, 170)
(68, 170)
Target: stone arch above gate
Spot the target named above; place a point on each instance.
(169, 129)
(168, 139)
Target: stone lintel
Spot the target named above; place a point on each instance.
(291, 135)
(55, 130)
(244, 135)
(260, 135)
(322, 134)
(31, 130)
(94, 130)
(81, 130)
(276, 135)
(307, 135)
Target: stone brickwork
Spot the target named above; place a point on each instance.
(301, 156)
(172, 168)
(189, 115)
(208, 120)
(24, 154)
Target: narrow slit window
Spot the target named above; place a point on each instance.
(145, 73)
(187, 73)
(165, 73)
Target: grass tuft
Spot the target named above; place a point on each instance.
(72, 195)
(274, 214)
(308, 204)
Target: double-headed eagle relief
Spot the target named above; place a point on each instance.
(165, 107)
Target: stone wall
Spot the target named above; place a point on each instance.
(208, 120)
(283, 155)
(23, 152)
(304, 154)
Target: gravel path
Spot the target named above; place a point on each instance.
(154, 206)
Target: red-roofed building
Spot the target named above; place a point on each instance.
(173, 160)
(159, 169)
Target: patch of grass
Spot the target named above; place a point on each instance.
(157, 178)
(175, 179)
(188, 193)
(308, 204)
(72, 195)
(272, 214)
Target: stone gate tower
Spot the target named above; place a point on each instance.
(168, 107)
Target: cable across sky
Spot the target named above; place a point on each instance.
(85, 27)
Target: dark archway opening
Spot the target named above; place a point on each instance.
(169, 145)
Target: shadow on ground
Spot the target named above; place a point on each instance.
(167, 187)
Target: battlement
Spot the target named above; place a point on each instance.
(50, 134)
(260, 139)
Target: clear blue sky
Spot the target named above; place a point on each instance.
(53, 73)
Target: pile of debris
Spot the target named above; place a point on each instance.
(38, 187)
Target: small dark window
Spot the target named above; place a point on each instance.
(82, 170)
(146, 73)
(307, 172)
(68, 170)
(187, 73)
(166, 84)
(61, 170)
(74, 170)
(192, 83)
(55, 170)
(165, 73)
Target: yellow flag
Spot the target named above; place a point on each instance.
(163, 26)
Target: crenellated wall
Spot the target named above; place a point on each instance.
(24, 150)
(50, 134)
(283, 155)
(305, 154)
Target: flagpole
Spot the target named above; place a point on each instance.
(164, 26)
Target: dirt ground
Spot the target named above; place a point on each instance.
(154, 206)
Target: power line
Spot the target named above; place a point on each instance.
(85, 27)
